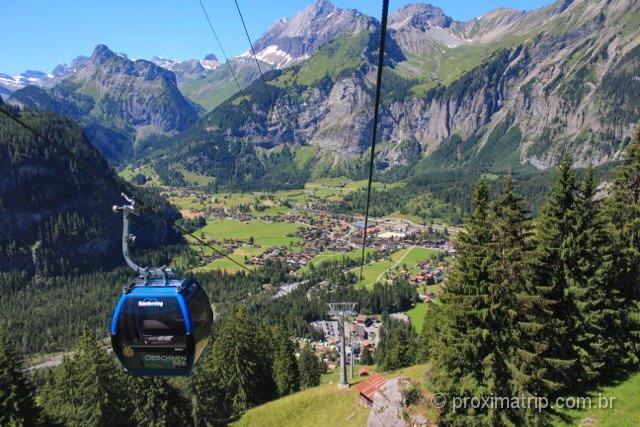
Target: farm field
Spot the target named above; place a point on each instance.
(129, 172)
(372, 272)
(237, 255)
(376, 270)
(331, 255)
(195, 178)
(264, 233)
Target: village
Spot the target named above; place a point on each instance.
(363, 331)
(321, 231)
(317, 232)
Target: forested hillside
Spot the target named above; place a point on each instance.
(56, 216)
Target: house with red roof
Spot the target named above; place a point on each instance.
(369, 387)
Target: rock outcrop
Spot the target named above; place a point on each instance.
(390, 406)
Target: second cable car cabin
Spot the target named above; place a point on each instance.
(161, 327)
(161, 324)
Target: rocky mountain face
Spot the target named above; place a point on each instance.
(118, 101)
(421, 29)
(188, 69)
(300, 37)
(509, 89)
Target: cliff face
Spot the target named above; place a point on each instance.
(118, 101)
(551, 92)
(522, 86)
(301, 36)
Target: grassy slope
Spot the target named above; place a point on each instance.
(377, 269)
(324, 405)
(218, 86)
(416, 314)
(625, 411)
(237, 255)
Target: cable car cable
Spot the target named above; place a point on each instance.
(143, 205)
(226, 59)
(383, 31)
(255, 57)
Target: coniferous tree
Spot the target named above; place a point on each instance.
(17, 407)
(157, 403)
(396, 348)
(510, 251)
(310, 368)
(211, 406)
(460, 331)
(365, 357)
(237, 369)
(285, 367)
(86, 389)
(548, 322)
(623, 214)
(595, 321)
(425, 340)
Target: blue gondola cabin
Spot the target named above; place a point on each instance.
(162, 327)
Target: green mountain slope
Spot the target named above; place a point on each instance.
(510, 90)
(219, 85)
(56, 214)
(119, 102)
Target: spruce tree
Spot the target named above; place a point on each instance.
(365, 357)
(425, 340)
(285, 367)
(157, 403)
(237, 370)
(509, 275)
(310, 368)
(396, 348)
(551, 305)
(88, 388)
(211, 406)
(458, 331)
(623, 217)
(597, 304)
(17, 406)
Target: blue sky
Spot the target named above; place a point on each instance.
(39, 34)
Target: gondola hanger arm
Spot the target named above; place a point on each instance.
(127, 238)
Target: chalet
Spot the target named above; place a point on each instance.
(369, 387)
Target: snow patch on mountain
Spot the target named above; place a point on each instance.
(273, 55)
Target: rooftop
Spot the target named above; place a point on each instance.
(371, 385)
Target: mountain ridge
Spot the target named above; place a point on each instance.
(118, 101)
(537, 81)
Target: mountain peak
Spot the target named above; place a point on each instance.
(323, 7)
(421, 16)
(102, 54)
(210, 57)
(297, 38)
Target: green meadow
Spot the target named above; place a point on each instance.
(417, 314)
(264, 233)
